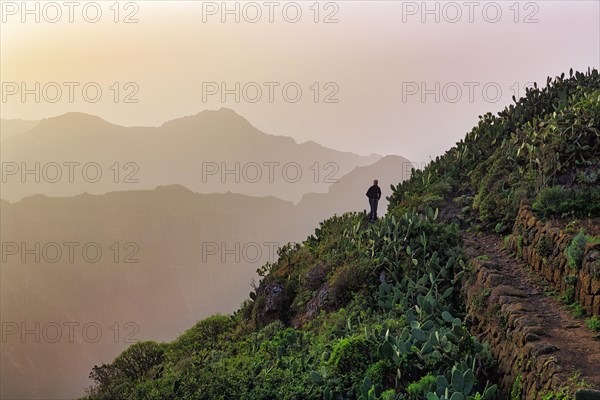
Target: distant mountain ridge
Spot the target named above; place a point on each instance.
(214, 151)
(10, 127)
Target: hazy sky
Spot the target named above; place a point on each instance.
(383, 62)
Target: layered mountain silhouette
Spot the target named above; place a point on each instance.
(196, 253)
(214, 151)
(176, 237)
(10, 127)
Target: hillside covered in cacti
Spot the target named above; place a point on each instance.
(374, 311)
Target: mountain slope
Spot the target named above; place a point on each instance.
(543, 149)
(369, 311)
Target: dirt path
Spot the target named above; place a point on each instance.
(578, 349)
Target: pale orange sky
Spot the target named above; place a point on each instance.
(373, 52)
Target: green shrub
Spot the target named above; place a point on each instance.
(544, 246)
(501, 228)
(577, 309)
(551, 201)
(574, 251)
(418, 390)
(506, 241)
(350, 358)
(558, 201)
(516, 391)
(570, 228)
(480, 297)
(348, 280)
(139, 358)
(497, 205)
(593, 323)
(561, 394)
(520, 246)
(381, 373)
(204, 335)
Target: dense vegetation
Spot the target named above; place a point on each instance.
(371, 311)
(544, 148)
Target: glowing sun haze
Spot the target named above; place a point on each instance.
(373, 58)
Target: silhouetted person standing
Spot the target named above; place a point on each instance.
(374, 194)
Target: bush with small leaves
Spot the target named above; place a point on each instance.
(574, 251)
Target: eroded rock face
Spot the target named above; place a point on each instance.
(318, 302)
(543, 246)
(275, 303)
(316, 276)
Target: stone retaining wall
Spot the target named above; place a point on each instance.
(499, 315)
(543, 246)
